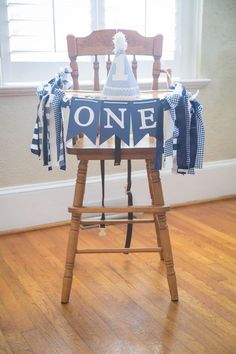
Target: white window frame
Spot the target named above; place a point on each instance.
(188, 37)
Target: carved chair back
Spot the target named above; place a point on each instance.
(99, 43)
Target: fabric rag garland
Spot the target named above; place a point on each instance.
(184, 146)
(48, 141)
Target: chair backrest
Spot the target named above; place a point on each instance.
(100, 43)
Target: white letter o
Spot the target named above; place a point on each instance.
(77, 113)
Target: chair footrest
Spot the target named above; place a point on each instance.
(119, 250)
(130, 209)
(116, 221)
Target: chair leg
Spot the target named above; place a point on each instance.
(74, 232)
(164, 232)
(157, 227)
(168, 257)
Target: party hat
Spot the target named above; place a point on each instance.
(120, 80)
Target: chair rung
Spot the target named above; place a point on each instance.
(130, 209)
(120, 250)
(116, 221)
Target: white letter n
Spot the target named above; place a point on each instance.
(111, 115)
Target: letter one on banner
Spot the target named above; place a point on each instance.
(115, 120)
(112, 115)
(84, 118)
(91, 116)
(145, 118)
(108, 118)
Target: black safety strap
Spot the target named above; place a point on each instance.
(128, 189)
(117, 151)
(102, 167)
(130, 203)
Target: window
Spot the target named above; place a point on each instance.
(38, 28)
(148, 19)
(33, 32)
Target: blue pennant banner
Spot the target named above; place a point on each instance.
(108, 118)
(115, 120)
(84, 118)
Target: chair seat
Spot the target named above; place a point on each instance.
(86, 150)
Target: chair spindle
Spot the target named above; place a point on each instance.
(134, 66)
(156, 72)
(108, 63)
(96, 74)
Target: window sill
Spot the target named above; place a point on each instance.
(30, 89)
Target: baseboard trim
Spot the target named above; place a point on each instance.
(203, 201)
(67, 222)
(34, 206)
(34, 228)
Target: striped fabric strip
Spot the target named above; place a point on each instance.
(60, 141)
(200, 137)
(36, 141)
(173, 100)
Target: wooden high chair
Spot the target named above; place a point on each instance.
(100, 43)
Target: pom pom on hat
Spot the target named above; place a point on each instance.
(120, 42)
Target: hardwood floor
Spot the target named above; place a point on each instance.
(120, 304)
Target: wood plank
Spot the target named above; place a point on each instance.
(119, 250)
(134, 209)
(4, 347)
(18, 343)
(13, 307)
(39, 343)
(41, 322)
(116, 221)
(48, 322)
